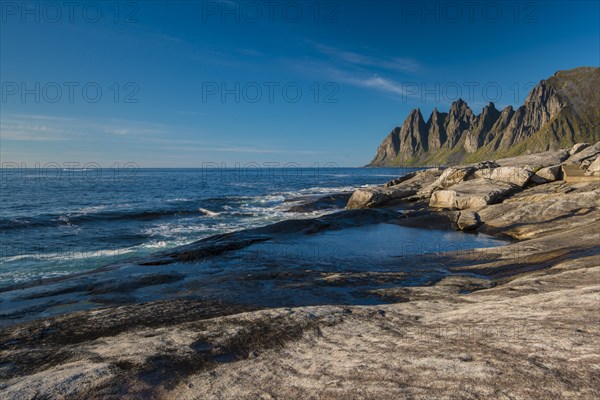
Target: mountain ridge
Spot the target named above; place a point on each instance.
(558, 112)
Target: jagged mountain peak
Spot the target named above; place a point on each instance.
(415, 113)
(436, 115)
(490, 106)
(557, 112)
(459, 106)
(436, 131)
(541, 92)
(459, 103)
(458, 121)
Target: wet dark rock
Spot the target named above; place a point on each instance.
(428, 219)
(349, 279)
(332, 201)
(468, 220)
(109, 286)
(374, 197)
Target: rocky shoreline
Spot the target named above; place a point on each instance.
(518, 320)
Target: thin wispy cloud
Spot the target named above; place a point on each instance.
(41, 128)
(377, 73)
(38, 117)
(30, 131)
(236, 149)
(128, 131)
(378, 83)
(186, 145)
(25, 135)
(361, 79)
(400, 64)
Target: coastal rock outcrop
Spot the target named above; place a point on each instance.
(547, 174)
(595, 166)
(332, 201)
(373, 197)
(414, 183)
(585, 156)
(578, 147)
(476, 185)
(472, 194)
(452, 176)
(545, 208)
(537, 160)
(515, 175)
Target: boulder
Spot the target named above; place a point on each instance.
(400, 188)
(547, 174)
(537, 160)
(578, 147)
(589, 153)
(468, 220)
(594, 167)
(426, 176)
(377, 196)
(332, 201)
(484, 170)
(452, 176)
(365, 198)
(401, 179)
(516, 175)
(472, 194)
(487, 164)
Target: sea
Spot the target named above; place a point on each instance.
(58, 221)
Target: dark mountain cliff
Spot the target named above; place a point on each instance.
(558, 112)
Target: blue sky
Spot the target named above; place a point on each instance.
(179, 84)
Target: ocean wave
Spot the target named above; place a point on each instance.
(175, 230)
(76, 218)
(318, 190)
(68, 255)
(208, 213)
